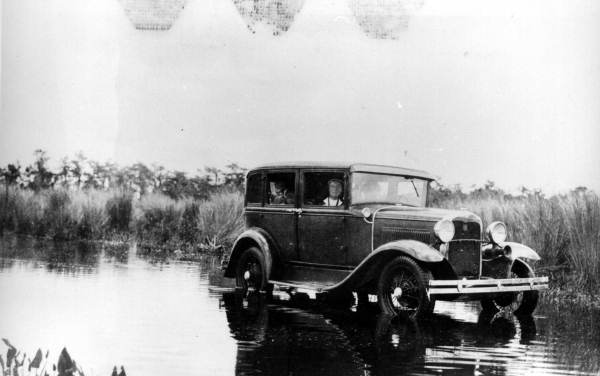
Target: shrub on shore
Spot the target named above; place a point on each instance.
(220, 220)
(188, 225)
(119, 209)
(57, 213)
(157, 219)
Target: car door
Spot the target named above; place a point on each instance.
(320, 227)
(279, 216)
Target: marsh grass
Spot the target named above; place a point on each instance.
(157, 219)
(119, 211)
(220, 220)
(159, 223)
(564, 230)
(188, 227)
(57, 213)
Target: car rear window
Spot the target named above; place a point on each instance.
(254, 189)
(281, 188)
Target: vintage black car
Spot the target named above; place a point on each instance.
(339, 228)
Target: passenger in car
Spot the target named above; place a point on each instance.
(335, 193)
(281, 195)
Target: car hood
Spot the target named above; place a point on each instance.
(430, 214)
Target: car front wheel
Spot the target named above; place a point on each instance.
(402, 289)
(520, 303)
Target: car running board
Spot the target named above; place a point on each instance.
(314, 286)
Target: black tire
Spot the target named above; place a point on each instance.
(402, 289)
(250, 273)
(519, 303)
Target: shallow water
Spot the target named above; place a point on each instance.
(109, 307)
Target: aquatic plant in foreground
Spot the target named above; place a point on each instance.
(18, 363)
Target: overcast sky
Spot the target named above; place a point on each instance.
(469, 90)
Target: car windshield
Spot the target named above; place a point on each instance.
(369, 188)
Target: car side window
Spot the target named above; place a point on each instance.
(280, 189)
(325, 189)
(254, 189)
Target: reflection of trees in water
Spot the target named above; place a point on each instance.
(277, 14)
(72, 257)
(384, 19)
(572, 336)
(301, 337)
(152, 14)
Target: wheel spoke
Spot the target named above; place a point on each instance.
(407, 285)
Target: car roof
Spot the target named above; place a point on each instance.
(352, 166)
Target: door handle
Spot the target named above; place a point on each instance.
(297, 211)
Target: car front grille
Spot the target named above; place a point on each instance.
(467, 230)
(465, 257)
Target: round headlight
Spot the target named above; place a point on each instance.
(496, 232)
(444, 230)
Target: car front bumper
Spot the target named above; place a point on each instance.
(486, 286)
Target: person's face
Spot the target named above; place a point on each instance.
(279, 189)
(335, 190)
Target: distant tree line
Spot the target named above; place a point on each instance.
(81, 173)
(441, 193)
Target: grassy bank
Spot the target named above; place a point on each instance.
(187, 227)
(179, 228)
(565, 229)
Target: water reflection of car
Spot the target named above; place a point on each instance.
(297, 337)
(384, 240)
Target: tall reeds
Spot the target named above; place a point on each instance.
(564, 230)
(189, 225)
(58, 213)
(157, 221)
(582, 223)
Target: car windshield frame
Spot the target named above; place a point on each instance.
(414, 184)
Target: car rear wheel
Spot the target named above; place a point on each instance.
(520, 303)
(250, 271)
(402, 289)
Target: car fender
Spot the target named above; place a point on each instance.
(376, 261)
(413, 248)
(520, 251)
(252, 236)
(520, 264)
